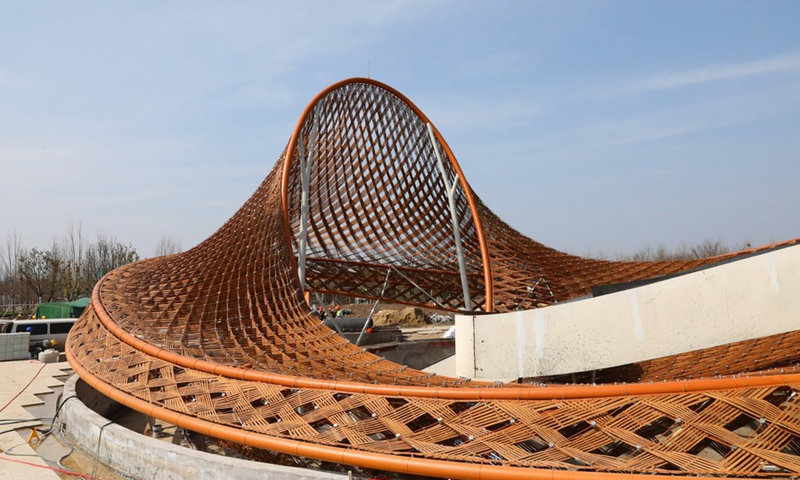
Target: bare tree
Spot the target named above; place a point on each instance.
(66, 271)
(709, 248)
(106, 255)
(74, 248)
(644, 254)
(167, 245)
(42, 272)
(11, 288)
(682, 252)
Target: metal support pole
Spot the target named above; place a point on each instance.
(305, 178)
(364, 328)
(451, 191)
(437, 302)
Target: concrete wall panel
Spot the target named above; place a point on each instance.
(744, 299)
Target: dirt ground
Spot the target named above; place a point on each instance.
(361, 310)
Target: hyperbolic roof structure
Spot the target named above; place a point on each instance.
(368, 200)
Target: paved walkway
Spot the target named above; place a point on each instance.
(20, 382)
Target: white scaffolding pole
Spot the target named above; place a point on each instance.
(451, 185)
(305, 178)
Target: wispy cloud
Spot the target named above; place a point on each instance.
(582, 142)
(770, 65)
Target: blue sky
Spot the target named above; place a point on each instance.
(598, 126)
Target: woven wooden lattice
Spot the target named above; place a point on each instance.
(219, 338)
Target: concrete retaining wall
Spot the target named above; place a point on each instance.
(744, 299)
(138, 456)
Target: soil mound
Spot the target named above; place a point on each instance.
(407, 317)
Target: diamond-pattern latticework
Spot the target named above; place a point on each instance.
(219, 338)
(375, 192)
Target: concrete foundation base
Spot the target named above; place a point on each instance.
(140, 457)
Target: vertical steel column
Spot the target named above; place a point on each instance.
(305, 178)
(451, 191)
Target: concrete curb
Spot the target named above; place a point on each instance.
(141, 457)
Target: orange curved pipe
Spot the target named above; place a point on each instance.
(290, 149)
(560, 392)
(378, 461)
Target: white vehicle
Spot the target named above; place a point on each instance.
(42, 330)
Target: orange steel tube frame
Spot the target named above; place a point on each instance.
(378, 461)
(290, 150)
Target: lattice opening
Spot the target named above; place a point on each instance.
(321, 426)
(745, 425)
(616, 449)
(657, 428)
(382, 435)
(784, 397)
(533, 445)
(700, 406)
(573, 429)
(359, 413)
(499, 425)
(306, 407)
(422, 422)
(711, 449)
(793, 447)
(459, 407)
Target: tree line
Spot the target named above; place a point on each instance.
(684, 251)
(72, 265)
(65, 271)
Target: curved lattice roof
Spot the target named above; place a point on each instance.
(219, 339)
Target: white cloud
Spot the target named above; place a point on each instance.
(582, 142)
(713, 73)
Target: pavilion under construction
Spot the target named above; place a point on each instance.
(368, 200)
